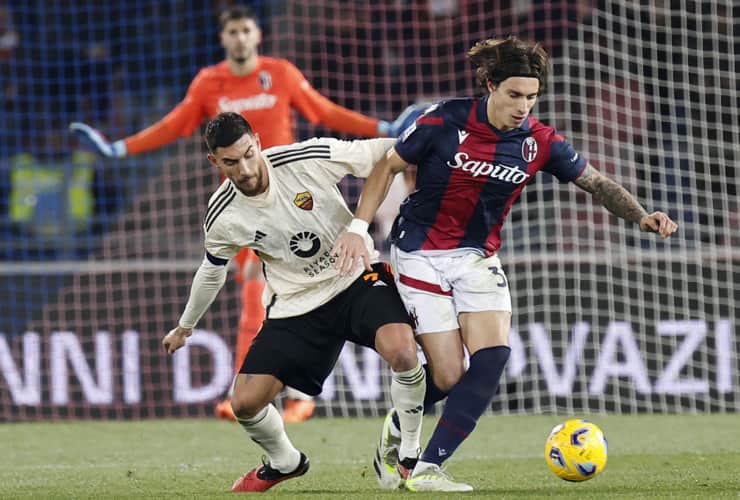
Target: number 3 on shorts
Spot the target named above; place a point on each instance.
(500, 276)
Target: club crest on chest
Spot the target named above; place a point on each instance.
(304, 200)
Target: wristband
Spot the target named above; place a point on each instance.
(358, 226)
(119, 149)
(384, 128)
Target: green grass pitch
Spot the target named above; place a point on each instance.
(657, 456)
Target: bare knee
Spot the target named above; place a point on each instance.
(247, 405)
(445, 377)
(396, 345)
(403, 359)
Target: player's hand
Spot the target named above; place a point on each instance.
(176, 338)
(97, 141)
(405, 119)
(349, 249)
(658, 222)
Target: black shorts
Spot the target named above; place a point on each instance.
(301, 351)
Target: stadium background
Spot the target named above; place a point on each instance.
(97, 254)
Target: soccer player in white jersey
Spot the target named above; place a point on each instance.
(474, 156)
(284, 204)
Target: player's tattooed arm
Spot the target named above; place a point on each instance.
(618, 201)
(614, 197)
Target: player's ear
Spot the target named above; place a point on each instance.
(213, 160)
(221, 36)
(491, 86)
(257, 141)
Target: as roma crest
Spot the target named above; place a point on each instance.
(304, 200)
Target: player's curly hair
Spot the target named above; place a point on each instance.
(499, 59)
(225, 129)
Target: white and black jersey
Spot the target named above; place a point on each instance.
(292, 226)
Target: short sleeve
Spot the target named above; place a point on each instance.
(360, 156)
(414, 142)
(564, 163)
(337, 158)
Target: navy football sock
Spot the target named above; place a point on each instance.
(466, 402)
(433, 393)
(431, 396)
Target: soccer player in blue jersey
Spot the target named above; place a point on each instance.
(474, 156)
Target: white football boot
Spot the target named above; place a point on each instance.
(431, 477)
(386, 456)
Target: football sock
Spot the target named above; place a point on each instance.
(266, 429)
(466, 403)
(291, 393)
(230, 394)
(407, 394)
(432, 394)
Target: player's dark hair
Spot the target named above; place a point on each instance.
(236, 12)
(225, 129)
(499, 59)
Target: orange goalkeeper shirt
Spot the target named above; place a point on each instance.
(264, 98)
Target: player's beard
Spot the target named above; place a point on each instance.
(242, 57)
(251, 188)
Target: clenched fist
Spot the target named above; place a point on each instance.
(658, 222)
(176, 338)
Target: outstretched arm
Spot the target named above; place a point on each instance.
(319, 109)
(181, 121)
(621, 203)
(208, 281)
(350, 246)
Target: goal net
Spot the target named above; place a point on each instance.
(97, 255)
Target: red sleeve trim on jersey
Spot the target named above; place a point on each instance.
(430, 120)
(581, 172)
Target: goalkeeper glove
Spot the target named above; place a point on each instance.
(97, 141)
(404, 120)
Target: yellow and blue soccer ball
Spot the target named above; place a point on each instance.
(576, 450)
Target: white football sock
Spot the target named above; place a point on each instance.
(230, 394)
(291, 393)
(266, 429)
(407, 394)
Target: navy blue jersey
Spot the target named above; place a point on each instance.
(469, 174)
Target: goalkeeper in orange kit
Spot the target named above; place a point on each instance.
(264, 91)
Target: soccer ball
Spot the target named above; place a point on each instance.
(576, 450)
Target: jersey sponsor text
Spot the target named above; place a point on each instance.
(259, 101)
(322, 263)
(495, 171)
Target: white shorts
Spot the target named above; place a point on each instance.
(436, 288)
